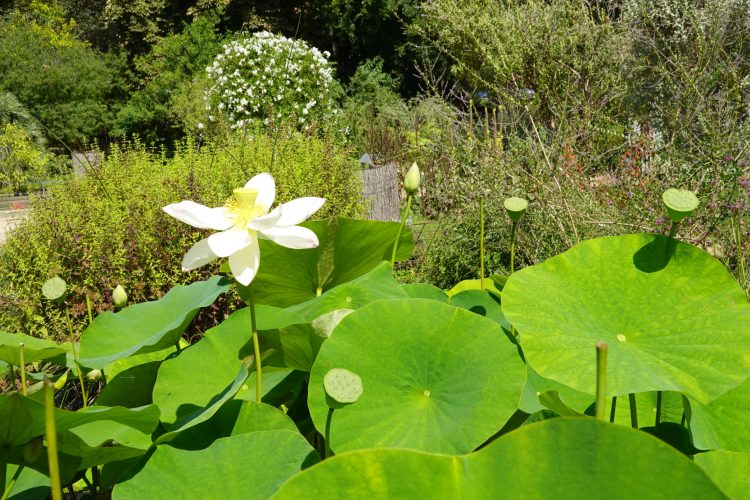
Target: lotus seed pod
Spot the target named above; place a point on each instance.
(119, 296)
(342, 385)
(411, 181)
(55, 289)
(515, 207)
(680, 203)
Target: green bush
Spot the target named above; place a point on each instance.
(107, 229)
(70, 88)
(21, 161)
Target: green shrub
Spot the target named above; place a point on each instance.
(21, 161)
(107, 229)
(69, 87)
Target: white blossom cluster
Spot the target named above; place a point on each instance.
(270, 77)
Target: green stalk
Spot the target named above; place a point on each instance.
(601, 379)
(6, 493)
(50, 435)
(658, 409)
(481, 243)
(75, 357)
(256, 347)
(88, 309)
(633, 411)
(23, 368)
(400, 230)
(513, 247)
(329, 417)
(673, 229)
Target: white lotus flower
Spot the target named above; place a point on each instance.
(243, 220)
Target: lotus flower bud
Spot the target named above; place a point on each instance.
(680, 203)
(411, 181)
(119, 296)
(94, 375)
(515, 207)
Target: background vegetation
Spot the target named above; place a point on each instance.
(588, 109)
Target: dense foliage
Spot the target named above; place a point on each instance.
(107, 229)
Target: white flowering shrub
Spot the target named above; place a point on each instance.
(271, 78)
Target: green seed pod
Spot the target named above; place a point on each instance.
(515, 207)
(342, 385)
(55, 289)
(119, 296)
(411, 181)
(680, 203)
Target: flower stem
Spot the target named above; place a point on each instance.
(50, 435)
(75, 357)
(88, 309)
(256, 346)
(327, 443)
(513, 247)
(23, 368)
(481, 243)
(400, 230)
(633, 411)
(673, 229)
(601, 379)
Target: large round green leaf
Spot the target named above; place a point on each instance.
(673, 317)
(731, 471)
(558, 458)
(722, 424)
(435, 377)
(244, 466)
(147, 327)
(348, 249)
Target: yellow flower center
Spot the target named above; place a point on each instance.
(242, 205)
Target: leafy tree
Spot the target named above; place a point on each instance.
(171, 76)
(69, 87)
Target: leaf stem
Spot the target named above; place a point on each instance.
(9, 488)
(327, 440)
(50, 435)
(481, 243)
(633, 411)
(601, 378)
(256, 346)
(23, 368)
(400, 230)
(75, 357)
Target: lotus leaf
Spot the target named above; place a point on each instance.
(673, 317)
(435, 377)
